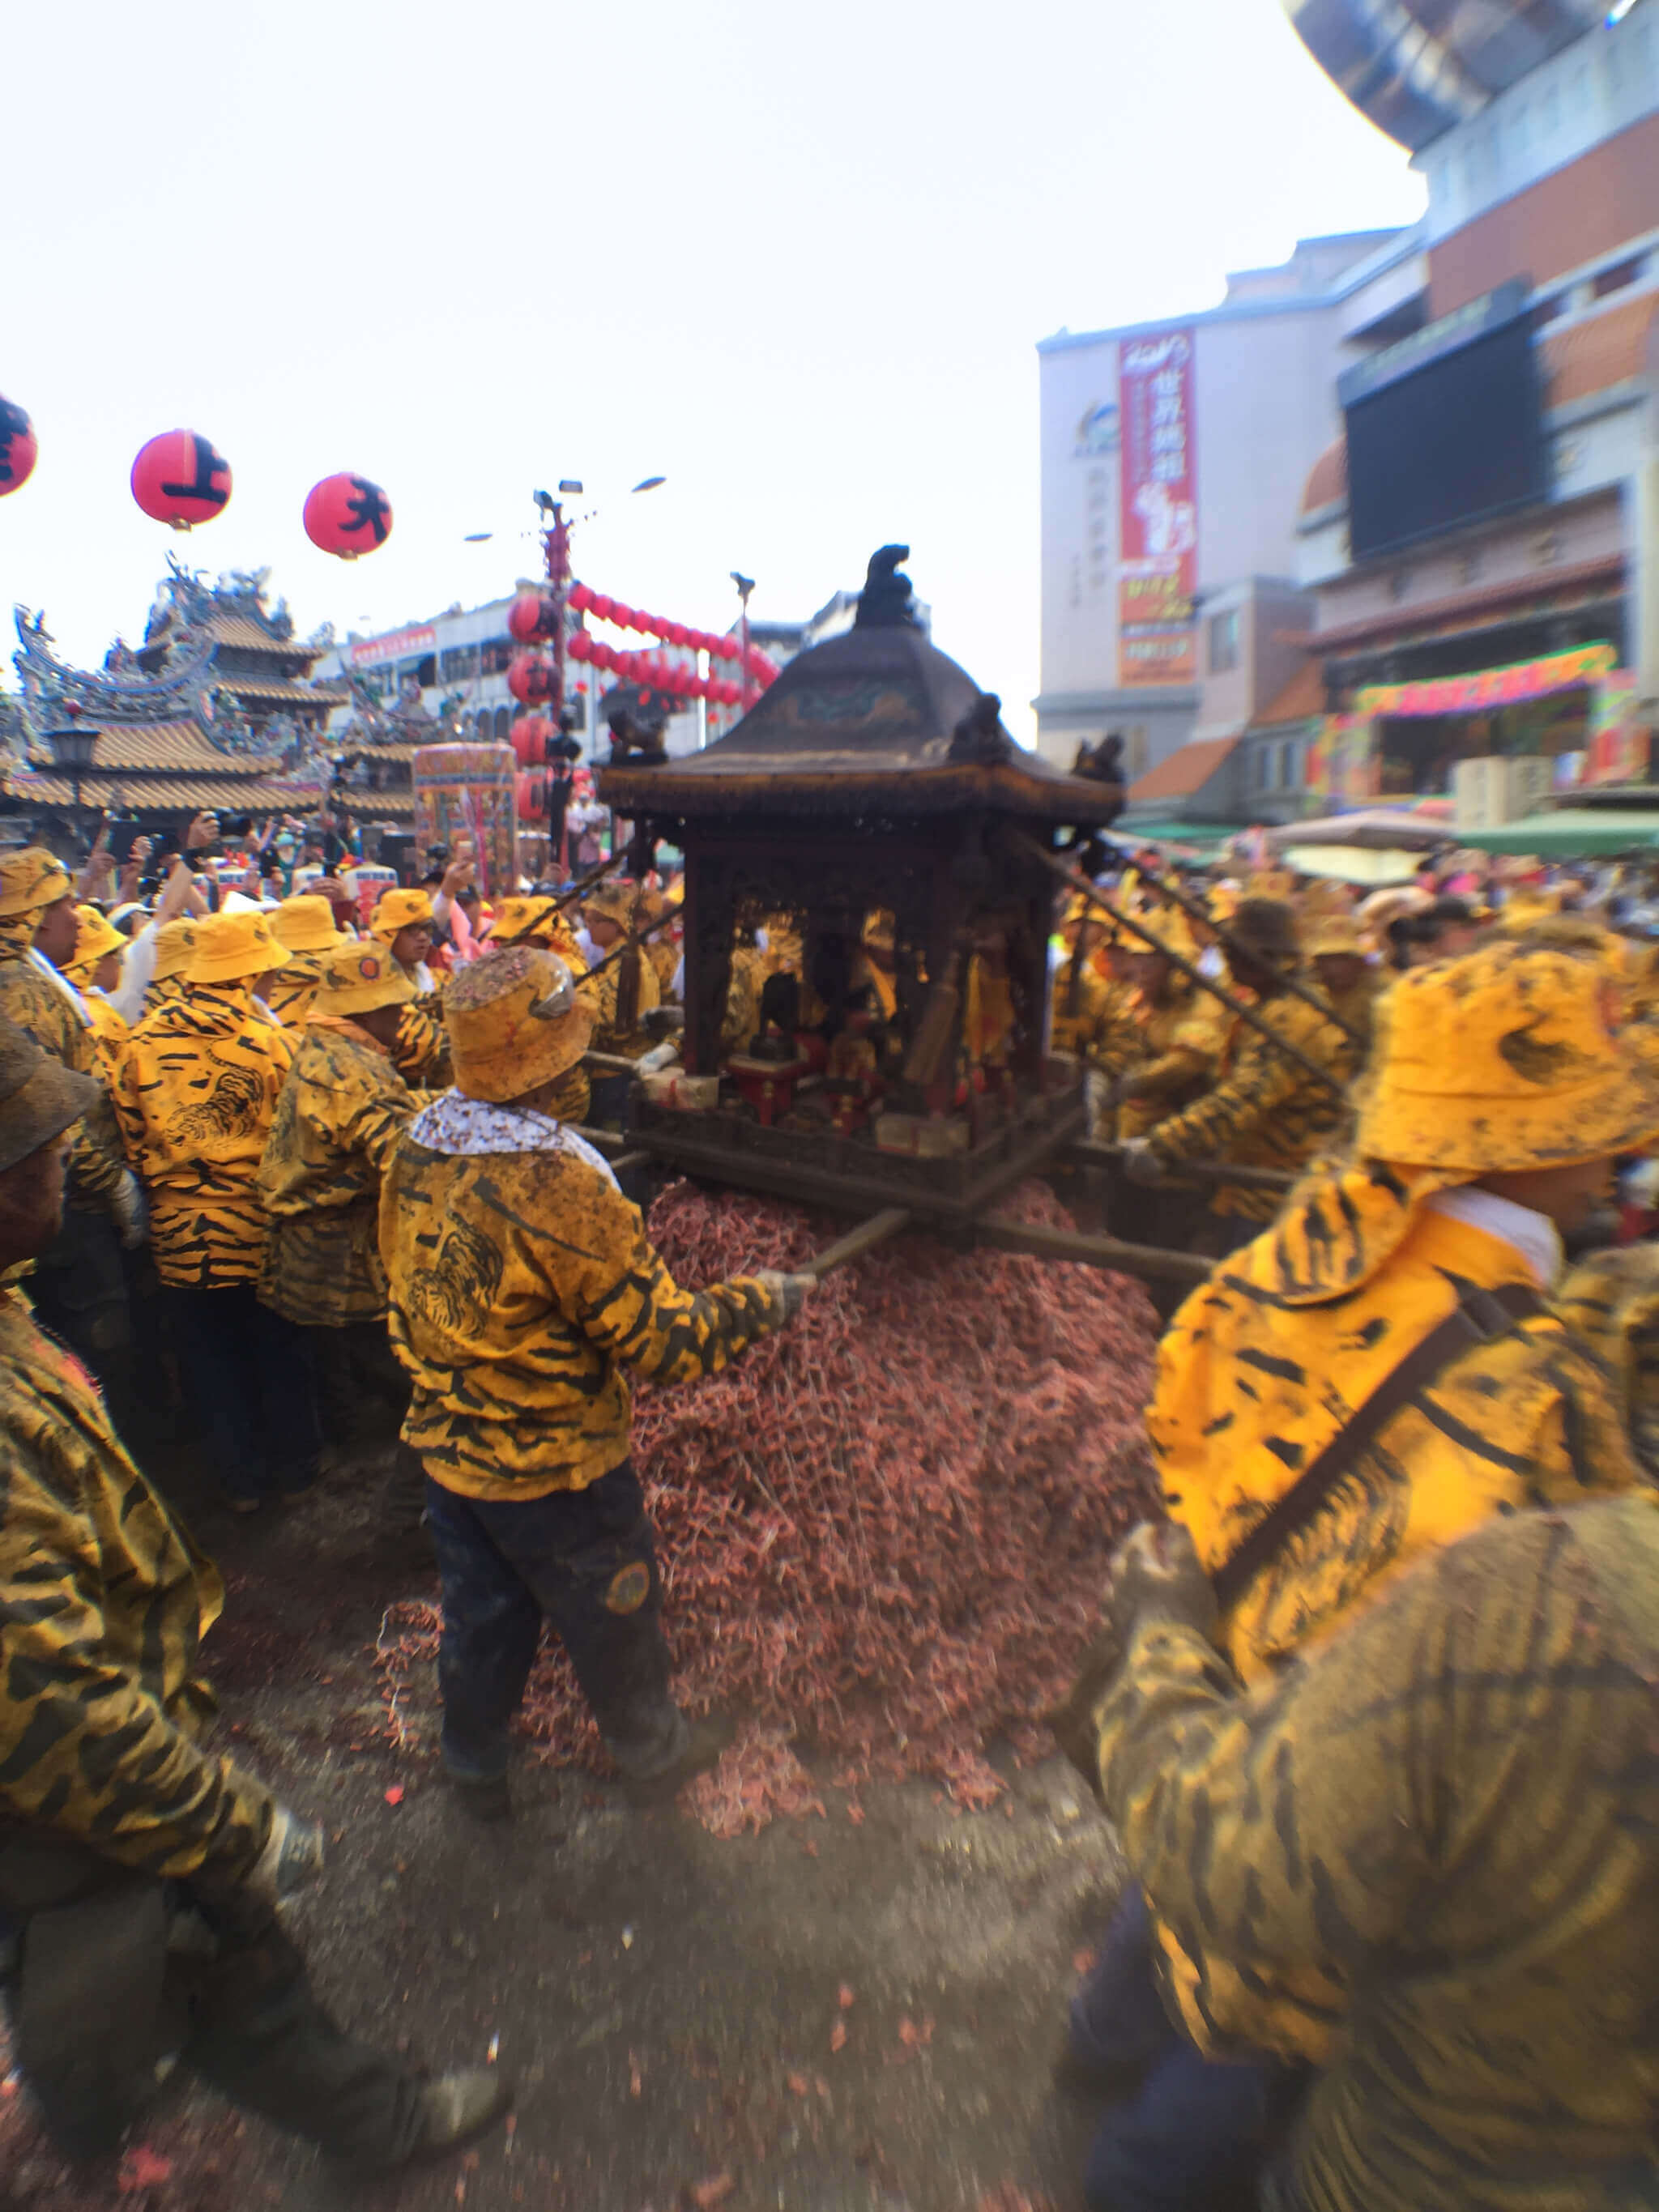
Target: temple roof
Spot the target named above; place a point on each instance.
(875, 719)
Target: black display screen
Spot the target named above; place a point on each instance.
(1456, 442)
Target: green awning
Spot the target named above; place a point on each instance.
(1569, 830)
(1176, 833)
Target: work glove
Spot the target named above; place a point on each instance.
(1155, 1574)
(131, 1213)
(1140, 1163)
(794, 1289)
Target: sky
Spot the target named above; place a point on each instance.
(795, 260)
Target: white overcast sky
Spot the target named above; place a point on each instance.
(795, 259)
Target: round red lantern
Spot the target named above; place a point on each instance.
(602, 608)
(531, 617)
(17, 447)
(580, 597)
(530, 734)
(530, 796)
(346, 515)
(579, 646)
(531, 678)
(179, 479)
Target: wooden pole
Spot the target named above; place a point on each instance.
(1088, 1152)
(858, 1242)
(1094, 1251)
(1074, 880)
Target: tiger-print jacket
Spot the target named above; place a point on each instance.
(522, 1285)
(195, 1094)
(43, 1012)
(289, 991)
(338, 1115)
(104, 1601)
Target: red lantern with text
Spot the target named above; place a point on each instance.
(347, 515)
(531, 617)
(531, 736)
(179, 478)
(531, 678)
(17, 447)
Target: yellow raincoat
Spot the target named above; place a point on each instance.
(47, 1014)
(522, 1286)
(195, 1094)
(341, 1109)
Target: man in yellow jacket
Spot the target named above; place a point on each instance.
(79, 1284)
(523, 1288)
(140, 1874)
(305, 924)
(402, 922)
(195, 1094)
(1266, 1108)
(1376, 1375)
(340, 1111)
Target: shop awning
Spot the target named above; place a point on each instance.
(1205, 834)
(1353, 863)
(1571, 831)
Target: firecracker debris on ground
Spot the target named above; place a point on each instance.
(834, 1974)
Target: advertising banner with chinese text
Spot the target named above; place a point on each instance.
(1158, 571)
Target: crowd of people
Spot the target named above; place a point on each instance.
(307, 1181)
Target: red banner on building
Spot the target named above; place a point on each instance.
(1158, 570)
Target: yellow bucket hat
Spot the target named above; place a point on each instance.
(306, 924)
(399, 909)
(96, 936)
(1500, 1061)
(614, 901)
(358, 979)
(175, 948)
(515, 1023)
(1330, 934)
(233, 948)
(31, 881)
(517, 919)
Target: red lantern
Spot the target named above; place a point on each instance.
(530, 733)
(579, 646)
(531, 617)
(529, 794)
(346, 515)
(179, 478)
(580, 597)
(603, 609)
(17, 447)
(531, 678)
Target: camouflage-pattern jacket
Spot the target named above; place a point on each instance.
(289, 991)
(34, 1002)
(338, 1115)
(1264, 1110)
(1165, 1052)
(600, 989)
(104, 1601)
(522, 1287)
(421, 1055)
(195, 1094)
(1426, 1859)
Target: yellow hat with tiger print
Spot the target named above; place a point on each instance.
(233, 948)
(94, 936)
(30, 881)
(400, 909)
(1501, 1061)
(175, 948)
(306, 924)
(515, 1023)
(357, 979)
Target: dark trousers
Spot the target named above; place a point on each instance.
(363, 1393)
(1189, 2135)
(79, 1290)
(586, 1562)
(239, 2012)
(245, 1371)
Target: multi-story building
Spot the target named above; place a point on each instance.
(1482, 538)
(1173, 456)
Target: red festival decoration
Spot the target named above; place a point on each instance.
(531, 735)
(179, 478)
(532, 616)
(531, 678)
(755, 668)
(18, 449)
(346, 515)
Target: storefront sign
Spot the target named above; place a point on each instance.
(1343, 764)
(1158, 571)
(420, 638)
(1491, 687)
(1617, 751)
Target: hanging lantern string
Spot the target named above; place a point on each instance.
(586, 601)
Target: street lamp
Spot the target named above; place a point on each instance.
(73, 745)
